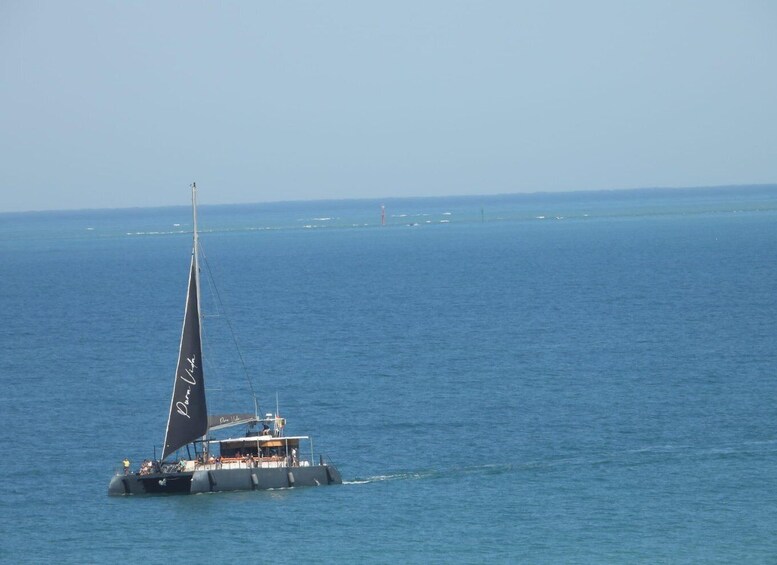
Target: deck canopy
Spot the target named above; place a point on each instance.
(263, 441)
(258, 446)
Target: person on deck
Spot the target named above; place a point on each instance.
(126, 464)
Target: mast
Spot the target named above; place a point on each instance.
(196, 263)
(196, 250)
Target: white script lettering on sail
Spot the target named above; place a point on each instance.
(189, 373)
(183, 407)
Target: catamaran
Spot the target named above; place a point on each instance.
(263, 457)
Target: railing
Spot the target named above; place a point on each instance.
(273, 461)
(243, 463)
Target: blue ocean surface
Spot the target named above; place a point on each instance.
(549, 378)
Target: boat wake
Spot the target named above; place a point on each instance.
(407, 476)
(434, 474)
(647, 455)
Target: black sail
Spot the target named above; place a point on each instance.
(188, 414)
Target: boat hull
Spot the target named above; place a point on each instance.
(220, 480)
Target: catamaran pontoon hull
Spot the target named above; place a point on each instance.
(219, 480)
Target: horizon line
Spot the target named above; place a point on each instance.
(390, 198)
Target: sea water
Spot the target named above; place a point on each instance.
(576, 378)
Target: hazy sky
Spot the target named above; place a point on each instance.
(115, 104)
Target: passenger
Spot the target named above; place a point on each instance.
(126, 464)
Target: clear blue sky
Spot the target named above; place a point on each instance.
(111, 104)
